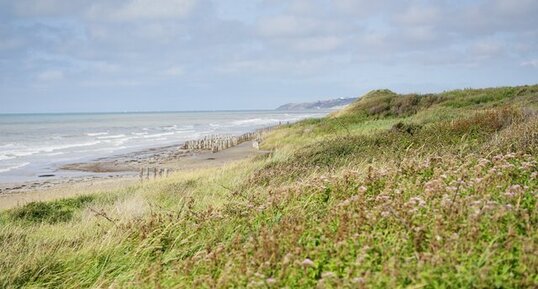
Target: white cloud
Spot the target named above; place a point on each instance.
(317, 44)
(530, 63)
(486, 49)
(48, 8)
(134, 10)
(289, 26)
(419, 15)
(174, 71)
(50, 75)
(141, 42)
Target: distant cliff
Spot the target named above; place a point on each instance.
(322, 104)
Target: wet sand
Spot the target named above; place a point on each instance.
(118, 171)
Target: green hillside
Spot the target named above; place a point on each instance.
(420, 191)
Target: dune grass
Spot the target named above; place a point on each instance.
(433, 191)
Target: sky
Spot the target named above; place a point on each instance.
(173, 55)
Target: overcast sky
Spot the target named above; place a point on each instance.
(153, 55)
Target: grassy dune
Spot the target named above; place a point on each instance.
(433, 191)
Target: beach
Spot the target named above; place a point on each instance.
(35, 147)
(119, 171)
(47, 156)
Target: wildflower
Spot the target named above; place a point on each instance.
(287, 259)
(534, 175)
(270, 281)
(357, 280)
(476, 212)
(452, 188)
(513, 191)
(507, 166)
(498, 158)
(382, 198)
(526, 166)
(510, 156)
(308, 263)
(446, 201)
(344, 203)
(362, 189)
(348, 201)
(417, 201)
(385, 214)
(432, 186)
(483, 162)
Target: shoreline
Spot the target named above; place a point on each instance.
(122, 168)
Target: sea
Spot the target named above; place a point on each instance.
(32, 145)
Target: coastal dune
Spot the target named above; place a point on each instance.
(397, 190)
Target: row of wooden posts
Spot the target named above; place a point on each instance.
(149, 173)
(216, 143)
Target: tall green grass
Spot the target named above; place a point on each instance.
(434, 191)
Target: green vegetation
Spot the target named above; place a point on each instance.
(51, 212)
(433, 191)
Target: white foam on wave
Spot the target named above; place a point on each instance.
(111, 136)
(106, 149)
(158, 135)
(54, 154)
(173, 127)
(18, 166)
(68, 146)
(24, 151)
(97, 133)
(257, 121)
(8, 145)
(5, 157)
(139, 133)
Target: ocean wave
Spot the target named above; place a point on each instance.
(97, 133)
(54, 154)
(106, 149)
(111, 136)
(68, 146)
(5, 157)
(23, 151)
(7, 146)
(172, 127)
(158, 135)
(18, 166)
(257, 121)
(139, 133)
